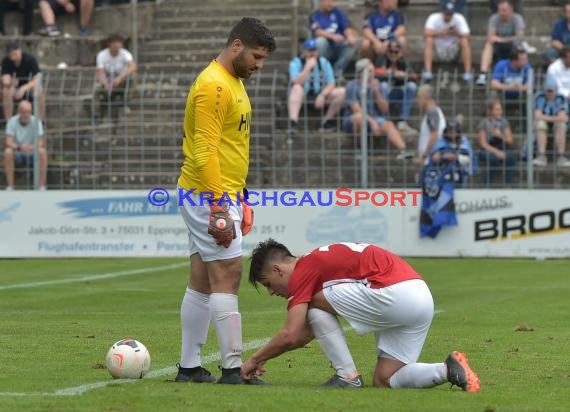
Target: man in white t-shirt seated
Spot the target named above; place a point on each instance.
(447, 32)
(114, 66)
(23, 132)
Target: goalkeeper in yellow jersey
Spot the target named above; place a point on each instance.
(216, 149)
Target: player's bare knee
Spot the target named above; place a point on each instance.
(381, 382)
(225, 276)
(8, 153)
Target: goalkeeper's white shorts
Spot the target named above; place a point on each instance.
(197, 219)
(399, 315)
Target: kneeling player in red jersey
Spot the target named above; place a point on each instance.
(375, 291)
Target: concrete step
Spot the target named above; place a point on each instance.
(199, 44)
(278, 27)
(173, 55)
(227, 9)
(240, 6)
(187, 66)
(180, 31)
(221, 19)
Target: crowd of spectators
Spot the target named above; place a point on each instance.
(25, 132)
(338, 51)
(381, 45)
(49, 10)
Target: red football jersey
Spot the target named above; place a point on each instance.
(346, 262)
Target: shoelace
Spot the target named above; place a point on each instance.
(205, 372)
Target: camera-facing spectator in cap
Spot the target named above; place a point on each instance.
(312, 78)
(460, 6)
(448, 35)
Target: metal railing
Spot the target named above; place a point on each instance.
(139, 146)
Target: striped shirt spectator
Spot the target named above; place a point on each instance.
(550, 112)
(550, 104)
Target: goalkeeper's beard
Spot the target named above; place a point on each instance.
(240, 66)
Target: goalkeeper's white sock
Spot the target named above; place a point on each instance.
(330, 336)
(195, 318)
(419, 375)
(227, 319)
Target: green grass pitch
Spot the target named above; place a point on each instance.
(59, 317)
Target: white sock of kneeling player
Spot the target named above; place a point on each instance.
(195, 319)
(419, 375)
(227, 320)
(330, 336)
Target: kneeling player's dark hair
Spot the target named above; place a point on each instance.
(253, 33)
(263, 253)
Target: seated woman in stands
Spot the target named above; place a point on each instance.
(496, 144)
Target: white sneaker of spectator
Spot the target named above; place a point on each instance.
(562, 162)
(528, 48)
(50, 31)
(540, 161)
(405, 155)
(404, 127)
(427, 76)
(482, 79)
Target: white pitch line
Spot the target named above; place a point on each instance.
(89, 277)
(80, 390)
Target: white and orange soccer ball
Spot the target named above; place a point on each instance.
(128, 359)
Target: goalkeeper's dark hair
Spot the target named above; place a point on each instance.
(263, 253)
(252, 33)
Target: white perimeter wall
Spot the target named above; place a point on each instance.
(499, 223)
